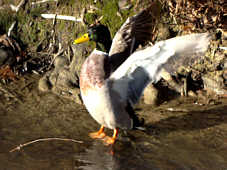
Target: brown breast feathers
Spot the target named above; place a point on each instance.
(94, 71)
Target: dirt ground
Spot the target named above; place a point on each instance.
(180, 134)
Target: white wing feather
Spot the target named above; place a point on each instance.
(144, 66)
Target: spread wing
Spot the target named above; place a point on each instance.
(144, 66)
(136, 29)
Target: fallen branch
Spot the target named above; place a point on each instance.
(42, 140)
(43, 1)
(62, 17)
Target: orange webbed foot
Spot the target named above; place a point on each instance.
(111, 140)
(98, 135)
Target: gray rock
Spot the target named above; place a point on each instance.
(214, 83)
(10, 51)
(63, 80)
(60, 62)
(3, 56)
(44, 85)
(150, 95)
(7, 56)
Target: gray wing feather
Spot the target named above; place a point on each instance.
(137, 28)
(139, 79)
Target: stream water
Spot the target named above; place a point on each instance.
(179, 135)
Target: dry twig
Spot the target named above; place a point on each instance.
(42, 140)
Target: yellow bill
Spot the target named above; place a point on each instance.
(82, 39)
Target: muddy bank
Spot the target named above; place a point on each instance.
(179, 135)
(52, 39)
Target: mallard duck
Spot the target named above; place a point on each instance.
(111, 83)
(136, 30)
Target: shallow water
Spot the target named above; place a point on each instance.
(179, 135)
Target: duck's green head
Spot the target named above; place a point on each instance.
(98, 33)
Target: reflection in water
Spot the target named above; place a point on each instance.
(96, 157)
(100, 157)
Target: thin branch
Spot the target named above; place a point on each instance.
(42, 140)
(62, 17)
